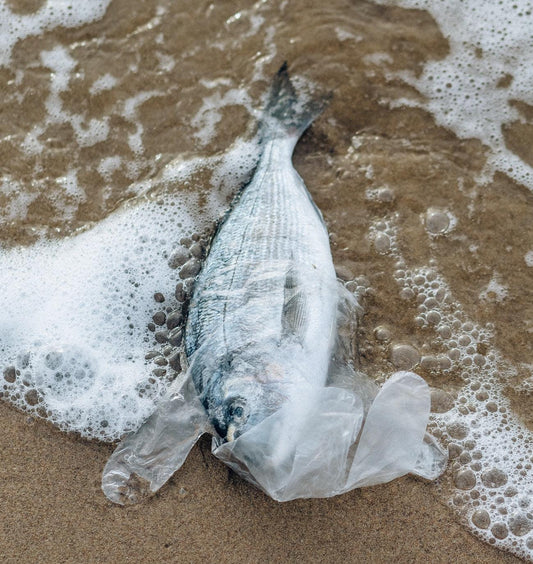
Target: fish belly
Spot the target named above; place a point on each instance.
(273, 242)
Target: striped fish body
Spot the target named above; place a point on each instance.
(263, 314)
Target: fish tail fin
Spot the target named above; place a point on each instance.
(286, 113)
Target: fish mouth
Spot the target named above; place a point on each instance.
(232, 433)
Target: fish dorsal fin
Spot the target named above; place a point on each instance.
(294, 313)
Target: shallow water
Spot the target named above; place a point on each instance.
(125, 131)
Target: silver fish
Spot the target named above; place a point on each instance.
(267, 367)
(263, 301)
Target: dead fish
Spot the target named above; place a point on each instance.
(263, 312)
(262, 343)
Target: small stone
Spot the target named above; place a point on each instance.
(151, 354)
(161, 361)
(151, 327)
(178, 257)
(175, 336)
(168, 349)
(190, 269)
(10, 374)
(159, 298)
(174, 361)
(185, 241)
(188, 286)
(180, 292)
(159, 318)
(196, 250)
(481, 519)
(195, 237)
(161, 336)
(174, 319)
(494, 478)
(159, 372)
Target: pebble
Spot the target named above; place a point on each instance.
(159, 372)
(344, 273)
(196, 250)
(161, 361)
(175, 336)
(159, 298)
(161, 336)
(151, 327)
(175, 361)
(159, 318)
(151, 354)
(178, 257)
(174, 319)
(190, 269)
(180, 292)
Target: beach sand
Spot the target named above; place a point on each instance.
(52, 510)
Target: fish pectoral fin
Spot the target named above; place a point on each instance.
(146, 459)
(294, 313)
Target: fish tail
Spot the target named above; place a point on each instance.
(286, 113)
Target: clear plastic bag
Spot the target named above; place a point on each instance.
(320, 441)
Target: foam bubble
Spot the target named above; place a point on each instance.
(492, 483)
(53, 13)
(76, 346)
(473, 89)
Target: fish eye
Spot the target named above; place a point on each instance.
(236, 411)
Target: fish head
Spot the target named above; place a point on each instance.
(243, 395)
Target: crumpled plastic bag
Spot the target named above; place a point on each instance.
(321, 442)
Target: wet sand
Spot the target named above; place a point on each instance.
(52, 510)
